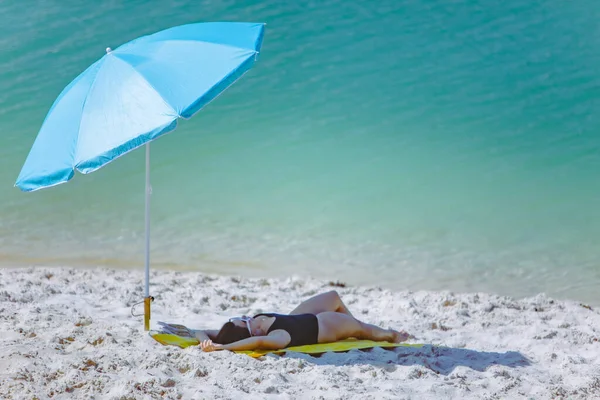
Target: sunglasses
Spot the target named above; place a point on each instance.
(244, 319)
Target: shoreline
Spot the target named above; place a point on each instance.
(251, 270)
(69, 333)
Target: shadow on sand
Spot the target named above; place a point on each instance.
(441, 360)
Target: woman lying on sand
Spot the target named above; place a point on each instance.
(321, 319)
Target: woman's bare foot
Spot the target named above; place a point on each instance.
(399, 337)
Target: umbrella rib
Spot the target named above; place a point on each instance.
(155, 90)
(210, 42)
(92, 85)
(124, 49)
(149, 84)
(221, 91)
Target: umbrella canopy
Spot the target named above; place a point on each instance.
(133, 95)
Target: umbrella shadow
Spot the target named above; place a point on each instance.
(441, 360)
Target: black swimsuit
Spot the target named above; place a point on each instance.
(303, 328)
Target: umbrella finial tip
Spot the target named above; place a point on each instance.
(108, 50)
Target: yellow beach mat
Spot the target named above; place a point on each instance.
(340, 346)
(336, 347)
(173, 340)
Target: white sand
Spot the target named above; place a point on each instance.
(68, 333)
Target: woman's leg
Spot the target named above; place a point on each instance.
(334, 326)
(324, 302)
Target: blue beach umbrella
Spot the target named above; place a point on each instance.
(133, 95)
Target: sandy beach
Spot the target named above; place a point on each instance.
(69, 333)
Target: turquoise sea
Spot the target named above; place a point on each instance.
(445, 145)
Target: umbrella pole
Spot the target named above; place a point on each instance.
(147, 298)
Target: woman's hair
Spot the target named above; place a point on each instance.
(230, 333)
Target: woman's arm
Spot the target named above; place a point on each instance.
(274, 341)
